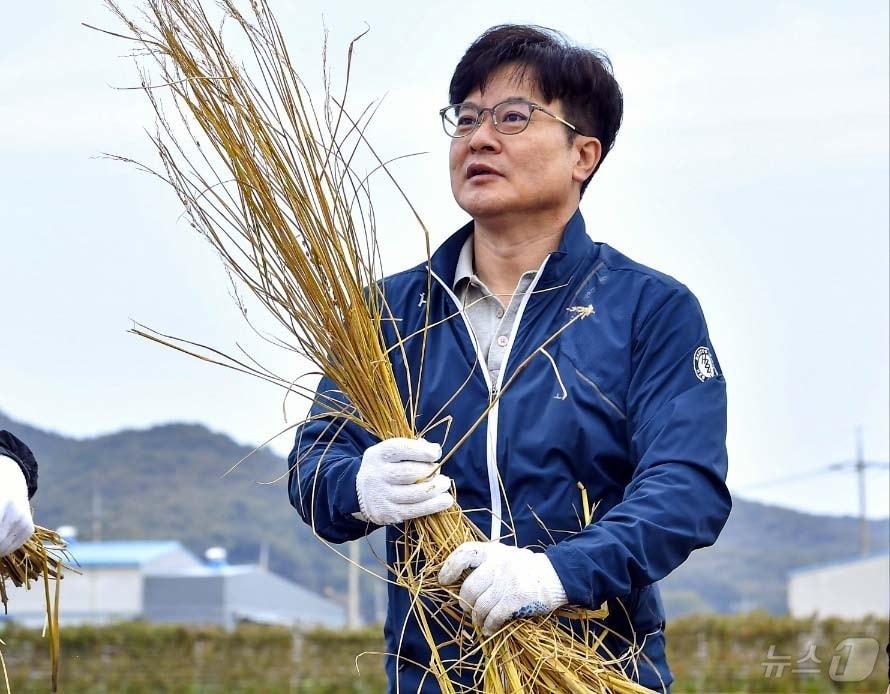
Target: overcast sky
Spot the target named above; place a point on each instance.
(752, 165)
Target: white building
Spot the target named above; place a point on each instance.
(105, 583)
(849, 589)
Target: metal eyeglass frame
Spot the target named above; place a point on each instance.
(533, 107)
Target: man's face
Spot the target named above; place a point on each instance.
(530, 173)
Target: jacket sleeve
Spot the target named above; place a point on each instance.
(677, 499)
(323, 465)
(14, 448)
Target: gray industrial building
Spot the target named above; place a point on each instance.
(225, 595)
(161, 581)
(104, 584)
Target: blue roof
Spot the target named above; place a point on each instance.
(120, 554)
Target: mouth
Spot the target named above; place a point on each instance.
(481, 171)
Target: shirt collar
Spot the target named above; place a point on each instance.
(464, 269)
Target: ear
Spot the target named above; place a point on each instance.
(589, 152)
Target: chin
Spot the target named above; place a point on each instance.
(478, 206)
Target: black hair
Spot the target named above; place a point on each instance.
(580, 78)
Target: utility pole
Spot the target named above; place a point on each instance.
(263, 559)
(352, 620)
(859, 466)
(860, 472)
(96, 534)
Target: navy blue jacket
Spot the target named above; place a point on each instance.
(13, 447)
(630, 402)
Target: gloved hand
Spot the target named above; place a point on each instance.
(509, 582)
(386, 487)
(16, 524)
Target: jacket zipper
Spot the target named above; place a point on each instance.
(491, 458)
(493, 414)
(491, 434)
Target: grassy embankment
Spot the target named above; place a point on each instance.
(707, 653)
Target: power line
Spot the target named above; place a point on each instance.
(809, 474)
(859, 466)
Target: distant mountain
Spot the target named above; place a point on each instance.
(166, 483)
(747, 568)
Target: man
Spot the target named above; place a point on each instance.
(629, 402)
(18, 483)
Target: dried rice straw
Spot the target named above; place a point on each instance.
(294, 223)
(39, 560)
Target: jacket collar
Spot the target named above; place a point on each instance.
(573, 247)
(444, 260)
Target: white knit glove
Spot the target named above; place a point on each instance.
(16, 524)
(509, 582)
(387, 481)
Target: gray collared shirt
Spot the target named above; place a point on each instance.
(490, 321)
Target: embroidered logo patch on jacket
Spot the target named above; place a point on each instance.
(703, 364)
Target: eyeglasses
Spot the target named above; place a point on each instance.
(509, 117)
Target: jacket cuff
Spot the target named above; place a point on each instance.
(571, 567)
(347, 499)
(347, 490)
(13, 447)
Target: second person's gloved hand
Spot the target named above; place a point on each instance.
(387, 487)
(16, 524)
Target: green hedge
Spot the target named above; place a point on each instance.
(707, 654)
(716, 653)
(137, 658)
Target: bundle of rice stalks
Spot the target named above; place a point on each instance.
(267, 179)
(36, 563)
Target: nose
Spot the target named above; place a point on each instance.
(485, 136)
